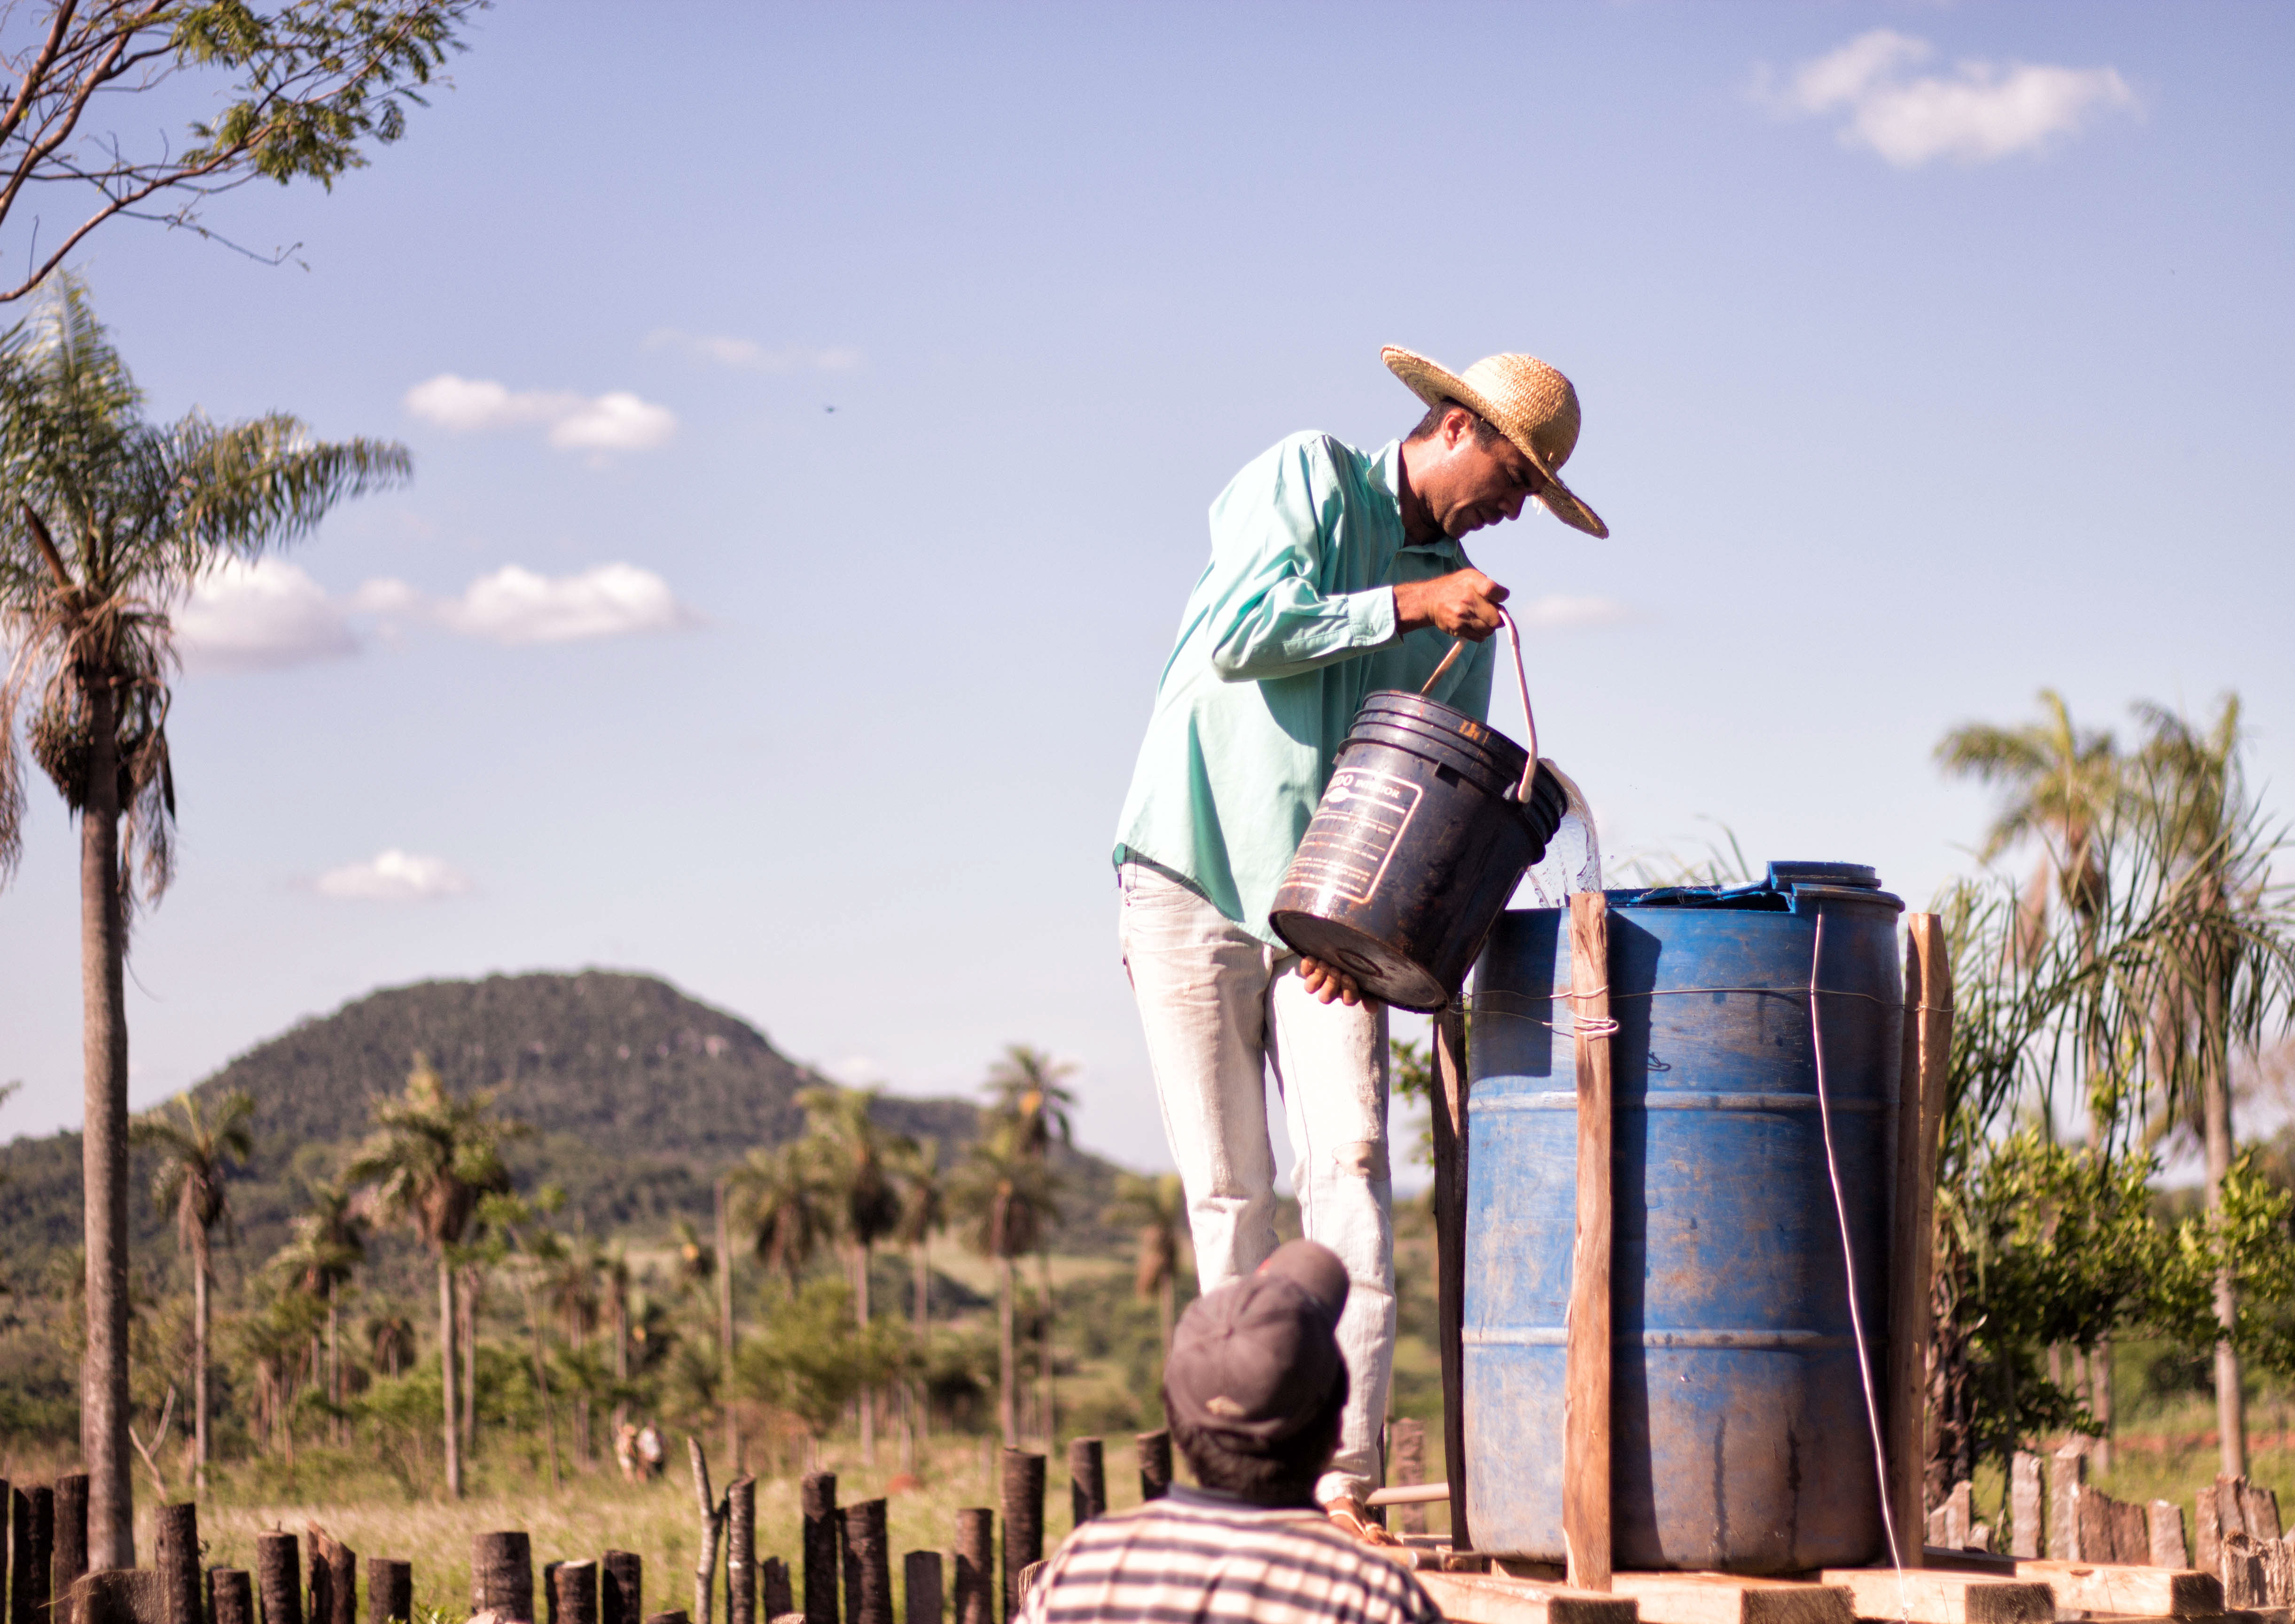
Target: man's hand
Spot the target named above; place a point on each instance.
(1327, 982)
(1463, 603)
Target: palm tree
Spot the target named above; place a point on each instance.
(1008, 1196)
(1027, 1088)
(855, 1150)
(1157, 1206)
(194, 1154)
(2061, 787)
(110, 521)
(2229, 978)
(431, 1158)
(330, 1242)
(391, 1341)
(787, 1211)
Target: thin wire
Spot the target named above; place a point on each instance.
(1849, 1266)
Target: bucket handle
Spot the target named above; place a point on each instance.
(1522, 681)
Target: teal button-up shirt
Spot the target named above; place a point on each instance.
(1289, 628)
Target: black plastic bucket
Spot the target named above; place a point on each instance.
(1417, 844)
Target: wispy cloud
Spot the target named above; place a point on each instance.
(1561, 614)
(260, 617)
(748, 355)
(1981, 112)
(616, 421)
(393, 876)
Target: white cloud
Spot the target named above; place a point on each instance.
(517, 606)
(394, 875)
(1561, 614)
(1981, 112)
(748, 355)
(616, 421)
(259, 616)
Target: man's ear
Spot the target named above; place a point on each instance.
(1458, 424)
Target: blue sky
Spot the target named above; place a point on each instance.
(1929, 354)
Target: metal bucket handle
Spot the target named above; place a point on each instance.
(1522, 681)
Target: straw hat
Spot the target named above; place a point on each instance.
(1524, 399)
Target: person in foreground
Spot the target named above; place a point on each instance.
(1333, 573)
(1253, 1389)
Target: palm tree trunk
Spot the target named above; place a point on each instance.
(470, 1364)
(200, 1363)
(447, 1320)
(725, 1332)
(541, 1386)
(1051, 1389)
(334, 1364)
(924, 1338)
(2215, 1103)
(1006, 1410)
(867, 1394)
(103, 1144)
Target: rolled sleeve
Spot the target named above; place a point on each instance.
(1271, 537)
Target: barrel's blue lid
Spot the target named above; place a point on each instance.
(1780, 890)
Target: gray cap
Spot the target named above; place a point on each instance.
(1257, 1358)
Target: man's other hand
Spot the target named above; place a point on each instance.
(1327, 982)
(1463, 603)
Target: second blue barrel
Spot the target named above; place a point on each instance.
(1740, 1439)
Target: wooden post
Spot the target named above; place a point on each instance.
(870, 1600)
(1155, 1464)
(1448, 1119)
(976, 1566)
(621, 1588)
(773, 1587)
(817, 1495)
(230, 1595)
(178, 1557)
(1023, 1520)
(68, 1558)
(334, 1580)
(1586, 1396)
(741, 1551)
(7, 1512)
(1923, 1070)
(921, 1587)
(389, 1590)
(501, 1574)
(574, 1591)
(277, 1581)
(712, 1513)
(1087, 1479)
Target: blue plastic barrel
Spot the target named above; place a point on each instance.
(1740, 1440)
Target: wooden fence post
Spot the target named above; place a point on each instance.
(389, 1590)
(177, 1555)
(1450, 1124)
(1585, 1400)
(1155, 1464)
(773, 1588)
(69, 1552)
(921, 1587)
(1087, 1479)
(1024, 1520)
(621, 1588)
(976, 1565)
(822, 1559)
(1923, 1070)
(277, 1577)
(870, 1599)
(230, 1595)
(501, 1574)
(574, 1592)
(741, 1551)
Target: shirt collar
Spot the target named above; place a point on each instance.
(1386, 477)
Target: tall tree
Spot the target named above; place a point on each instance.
(2228, 984)
(787, 1207)
(329, 1244)
(1009, 1198)
(1156, 1206)
(108, 521)
(1028, 1088)
(306, 85)
(196, 1149)
(431, 1159)
(856, 1151)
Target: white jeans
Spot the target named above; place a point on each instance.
(1222, 1010)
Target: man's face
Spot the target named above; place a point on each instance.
(1473, 485)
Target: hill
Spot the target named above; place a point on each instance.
(637, 1096)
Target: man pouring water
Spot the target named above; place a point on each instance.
(1333, 573)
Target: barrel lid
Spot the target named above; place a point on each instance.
(1782, 890)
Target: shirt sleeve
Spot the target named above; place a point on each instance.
(1270, 531)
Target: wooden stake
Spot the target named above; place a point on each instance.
(277, 1580)
(1922, 1074)
(178, 1560)
(1086, 1481)
(68, 1558)
(621, 1588)
(976, 1565)
(741, 1551)
(501, 1575)
(921, 1585)
(1586, 1395)
(1155, 1464)
(334, 1580)
(712, 1513)
(574, 1591)
(230, 1595)
(389, 1590)
(1449, 1121)
(1023, 1520)
(823, 1558)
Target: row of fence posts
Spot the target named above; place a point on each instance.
(843, 1547)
